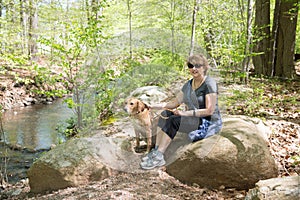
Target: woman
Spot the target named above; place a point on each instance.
(201, 119)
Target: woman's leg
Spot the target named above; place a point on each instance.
(163, 141)
(156, 158)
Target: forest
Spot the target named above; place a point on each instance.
(94, 42)
(97, 52)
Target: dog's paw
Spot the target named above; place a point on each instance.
(140, 149)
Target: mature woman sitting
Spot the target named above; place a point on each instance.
(201, 119)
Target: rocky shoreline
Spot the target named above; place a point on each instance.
(20, 87)
(16, 96)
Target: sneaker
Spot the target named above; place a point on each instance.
(151, 163)
(151, 154)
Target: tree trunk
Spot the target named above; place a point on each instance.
(130, 27)
(92, 10)
(87, 8)
(274, 35)
(172, 24)
(23, 22)
(33, 25)
(196, 3)
(1, 8)
(285, 22)
(95, 9)
(262, 61)
(248, 50)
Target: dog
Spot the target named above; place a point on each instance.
(142, 122)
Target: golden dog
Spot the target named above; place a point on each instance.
(142, 121)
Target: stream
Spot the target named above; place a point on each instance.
(31, 130)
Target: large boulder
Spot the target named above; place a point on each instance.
(238, 157)
(80, 161)
(285, 188)
(150, 94)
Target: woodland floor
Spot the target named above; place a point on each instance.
(157, 184)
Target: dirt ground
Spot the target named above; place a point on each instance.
(155, 184)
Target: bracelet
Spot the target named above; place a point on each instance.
(194, 113)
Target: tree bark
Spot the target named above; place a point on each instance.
(248, 49)
(130, 27)
(285, 22)
(23, 22)
(33, 25)
(1, 7)
(196, 3)
(262, 59)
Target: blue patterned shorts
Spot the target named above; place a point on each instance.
(205, 130)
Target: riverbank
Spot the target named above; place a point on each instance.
(20, 87)
(22, 99)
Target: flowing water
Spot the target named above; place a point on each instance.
(32, 130)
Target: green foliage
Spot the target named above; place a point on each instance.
(222, 33)
(166, 58)
(44, 76)
(104, 94)
(81, 40)
(68, 129)
(18, 60)
(160, 43)
(295, 160)
(23, 81)
(157, 69)
(70, 103)
(262, 98)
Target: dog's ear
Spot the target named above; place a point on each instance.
(140, 106)
(146, 106)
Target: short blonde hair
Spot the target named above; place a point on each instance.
(198, 60)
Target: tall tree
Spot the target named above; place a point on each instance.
(129, 9)
(1, 8)
(195, 10)
(24, 24)
(169, 12)
(262, 60)
(33, 26)
(275, 51)
(248, 49)
(285, 24)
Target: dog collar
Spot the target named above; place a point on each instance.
(142, 110)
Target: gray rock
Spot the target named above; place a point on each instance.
(238, 157)
(286, 188)
(80, 161)
(150, 94)
(30, 99)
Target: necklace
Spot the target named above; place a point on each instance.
(195, 86)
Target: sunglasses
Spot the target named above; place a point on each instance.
(190, 66)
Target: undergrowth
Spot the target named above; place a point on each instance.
(264, 98)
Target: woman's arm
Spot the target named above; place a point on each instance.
(210, 105)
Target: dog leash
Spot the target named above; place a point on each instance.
(163, 117)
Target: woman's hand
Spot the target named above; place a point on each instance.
(179, 112)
